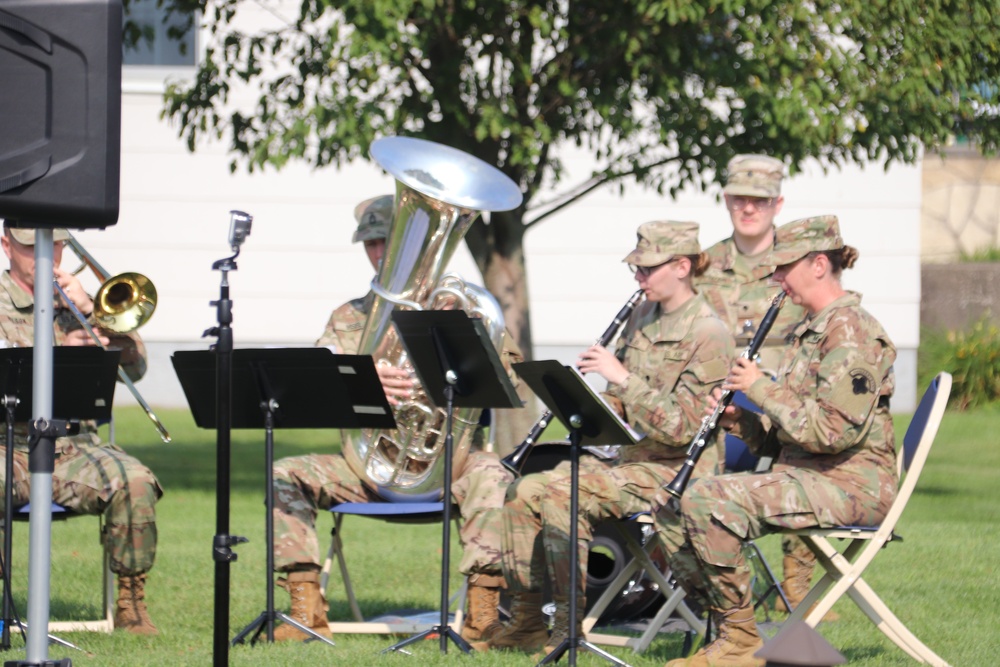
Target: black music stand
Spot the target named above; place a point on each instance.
(591, 422)
(459, 367)
(285, 388)
(84, 388)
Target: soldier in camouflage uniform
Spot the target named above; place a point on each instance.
(826, 414)
(740, 285)
(672, 352)
(304, 484)
(739, 282)
(89, 477)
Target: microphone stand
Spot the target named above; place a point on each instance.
(222, 552)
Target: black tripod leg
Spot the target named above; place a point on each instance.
(309, 631)
(412, 639)
(446, 632)
(255, 626)
(587, 646)
(457, 640)
(566, 644)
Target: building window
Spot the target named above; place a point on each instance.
(161, 50)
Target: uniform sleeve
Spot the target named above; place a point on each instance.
(133, 359)
(344, 328)
(672, 415)
(330, 337)
(830, 412)
(510, 354)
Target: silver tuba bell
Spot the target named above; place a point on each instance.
(439, 193)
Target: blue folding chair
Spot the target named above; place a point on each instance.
(107, 623)
(391, 512)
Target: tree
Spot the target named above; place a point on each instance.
(661, 92)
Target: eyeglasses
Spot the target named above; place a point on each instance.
(646, 271)
(738, 203)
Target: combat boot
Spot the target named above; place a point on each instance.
(735, 642)
(527, 630)
(798, 579)
(130, 611)
(309, 607)
(483, 620)
(560, 623)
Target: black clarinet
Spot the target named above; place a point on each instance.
(710, 424)
(515, 460)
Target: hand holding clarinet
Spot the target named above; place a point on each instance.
(743, 374)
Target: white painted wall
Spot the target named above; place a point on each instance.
(298, 263)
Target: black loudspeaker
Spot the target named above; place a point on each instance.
(60, 112)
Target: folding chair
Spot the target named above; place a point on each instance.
(844, 570)
(641, 562)
(107, 623)
(401, 512)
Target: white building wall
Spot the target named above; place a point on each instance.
(298, 263)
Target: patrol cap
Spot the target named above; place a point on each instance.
(26, 236)
(754, 176)
(797, 239)
(373, 216)
(659, 241)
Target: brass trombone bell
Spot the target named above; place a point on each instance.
(124, 302)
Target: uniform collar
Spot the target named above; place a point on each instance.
(730, 254)
(821, 320)
(676, 325)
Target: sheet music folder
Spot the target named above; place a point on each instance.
(314, 388)
(564, 390)
(483, 382)
(83, 381)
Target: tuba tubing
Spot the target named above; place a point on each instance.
(440, 191)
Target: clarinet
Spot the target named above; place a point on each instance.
(710, 424)
(515, 460)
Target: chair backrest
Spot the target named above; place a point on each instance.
(926, 418)
(918, 440)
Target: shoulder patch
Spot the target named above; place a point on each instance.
(862, 381)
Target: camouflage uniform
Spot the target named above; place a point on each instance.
(89, 477)
(828, 414)
(741, 287)
(674, 360)
(305, 483)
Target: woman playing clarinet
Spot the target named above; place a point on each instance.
(672, 352)
(826, 414)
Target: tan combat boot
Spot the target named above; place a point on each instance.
(130, 612)
(483, 620)
(735, 643)
(560, 623)
(309, 607)
(527, 629)
(798, 579)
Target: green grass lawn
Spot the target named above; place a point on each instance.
(942, 581)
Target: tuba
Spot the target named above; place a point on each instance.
(439, 193)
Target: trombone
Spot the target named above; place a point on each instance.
(123, 303)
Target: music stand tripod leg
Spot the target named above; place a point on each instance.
(9, 620)
(264, 623)
(443, 629)
(574, 641)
